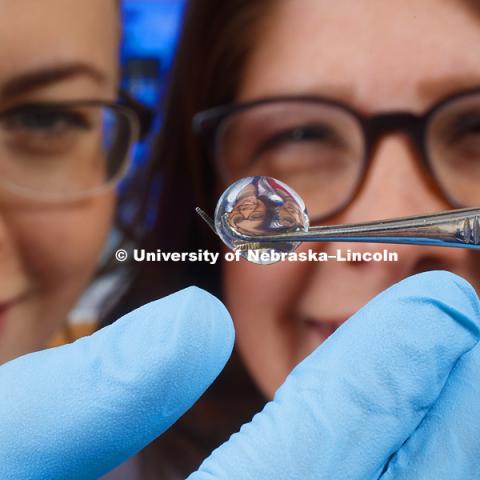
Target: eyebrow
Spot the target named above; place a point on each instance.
(31, 80)
(441, 87)
(342, 93)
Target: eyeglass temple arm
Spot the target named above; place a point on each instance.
(455, 228)
(144, 113)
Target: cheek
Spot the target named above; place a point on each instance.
(63, 245)
(56, 251)
(263, 302)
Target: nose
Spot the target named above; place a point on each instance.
(4, 222)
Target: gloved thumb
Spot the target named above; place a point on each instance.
(352, 404)
(79, 410)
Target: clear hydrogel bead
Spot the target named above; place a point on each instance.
(260, 206)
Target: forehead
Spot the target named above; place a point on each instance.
(34, 33)
(372, 53)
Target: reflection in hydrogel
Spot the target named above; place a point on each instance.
(259, 206)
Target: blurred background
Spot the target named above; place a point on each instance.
(150, 33)
(151, 29)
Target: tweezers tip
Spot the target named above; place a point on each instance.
(206, 218)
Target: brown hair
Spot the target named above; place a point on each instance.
(216, 40)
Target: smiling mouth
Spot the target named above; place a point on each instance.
(324, 328)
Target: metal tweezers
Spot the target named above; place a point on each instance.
(455, 228)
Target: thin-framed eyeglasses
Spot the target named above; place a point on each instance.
(322, 148)
(62, 151)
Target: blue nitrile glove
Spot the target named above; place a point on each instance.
(77, 411)
(393, 394)
(381, 393)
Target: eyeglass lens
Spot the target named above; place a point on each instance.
(63, 151)
(453, 145)
(319, 149)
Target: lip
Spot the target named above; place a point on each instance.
(324, 328)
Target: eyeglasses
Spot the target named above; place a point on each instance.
(322, 148)
(65, 150)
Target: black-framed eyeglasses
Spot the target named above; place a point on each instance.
(59, 151)
(322, 148)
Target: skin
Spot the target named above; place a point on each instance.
(47, 256)
(386, 56)
(249, 211)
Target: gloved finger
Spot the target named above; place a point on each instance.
(351, 404)
(446, 445)
(79, 410)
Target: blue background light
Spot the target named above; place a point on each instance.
(150, 33)
(151, 29)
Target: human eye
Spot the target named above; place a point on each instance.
(301, 150)
(457, 141)
(43, 129)
(464, 130)
(314, 133)
(44, 120)
(257, 216)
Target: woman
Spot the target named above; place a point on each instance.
(308, 75)
(63, 147)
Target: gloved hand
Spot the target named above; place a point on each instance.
(393, 394)
(77, 411)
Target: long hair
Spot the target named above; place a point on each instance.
(216, 40)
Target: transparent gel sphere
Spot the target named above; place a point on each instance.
(260, 206)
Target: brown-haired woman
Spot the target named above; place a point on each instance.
(365, 74)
